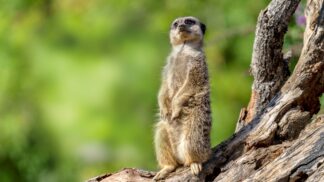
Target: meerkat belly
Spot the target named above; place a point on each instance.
(176, 75)
(179, 142)
(182, 149)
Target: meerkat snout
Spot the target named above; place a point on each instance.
(187, 29)
(182, 28)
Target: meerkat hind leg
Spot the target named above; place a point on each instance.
(164, 172)
(164, 153)
(195, 168)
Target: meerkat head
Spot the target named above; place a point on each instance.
(187, 30)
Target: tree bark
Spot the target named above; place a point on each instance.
(275, 138)
(268, 67)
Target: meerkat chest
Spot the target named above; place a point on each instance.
(177, 71)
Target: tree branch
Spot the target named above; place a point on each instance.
(271, 146)
(268, 67)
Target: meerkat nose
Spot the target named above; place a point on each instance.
(182, 27)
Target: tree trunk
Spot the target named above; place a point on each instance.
(276, 139)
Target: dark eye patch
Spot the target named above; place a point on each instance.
(189, 22)
(174, 25)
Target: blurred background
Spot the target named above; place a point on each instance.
(79, 79)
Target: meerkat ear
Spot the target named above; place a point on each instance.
(203, 28)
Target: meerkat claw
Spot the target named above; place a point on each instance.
(163, 173)
(195, 168)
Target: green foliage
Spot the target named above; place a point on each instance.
(79, 78)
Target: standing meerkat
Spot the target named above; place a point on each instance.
(182, 136)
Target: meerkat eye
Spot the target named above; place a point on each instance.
(189, 22)
(175, 24)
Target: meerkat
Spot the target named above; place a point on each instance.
(182, 134)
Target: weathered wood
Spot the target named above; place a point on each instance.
(301, 92)
(288, 161)
(281, 161)
(127, 174)
(268, 67)
(274, 145)
(301, 160)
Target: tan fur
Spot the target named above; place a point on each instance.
(182, 135)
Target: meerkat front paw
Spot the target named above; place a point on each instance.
(175, 113)
(164, 173)
(176, 109)
(164, 113)
(195, 168)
